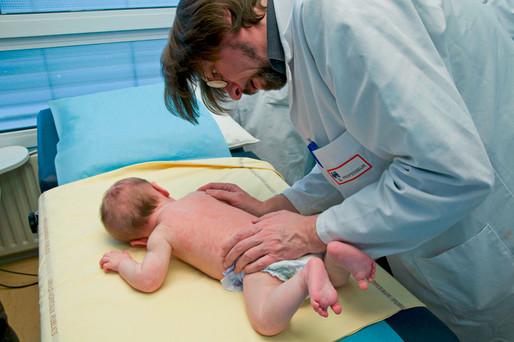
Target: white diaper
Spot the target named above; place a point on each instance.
(283, 270)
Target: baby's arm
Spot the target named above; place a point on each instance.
(147, 276)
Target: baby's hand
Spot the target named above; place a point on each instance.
(111, 261)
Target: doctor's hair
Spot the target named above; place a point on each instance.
(126, 208)
(195, 37)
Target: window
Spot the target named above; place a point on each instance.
(45, 6)
(45, 56)
(30, 78)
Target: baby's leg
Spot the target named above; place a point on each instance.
(342, 259)
(269, 309)
(271, 303)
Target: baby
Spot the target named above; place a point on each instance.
(195, 228)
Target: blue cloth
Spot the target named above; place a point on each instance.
(380, 331)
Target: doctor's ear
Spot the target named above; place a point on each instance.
(160, 189)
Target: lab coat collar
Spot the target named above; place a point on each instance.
(275, 50)
(283, 10)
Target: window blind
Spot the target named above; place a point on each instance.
(44, 6)
(31, 78)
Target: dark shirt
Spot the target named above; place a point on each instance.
(275, 51)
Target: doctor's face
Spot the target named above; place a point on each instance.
(244, 70)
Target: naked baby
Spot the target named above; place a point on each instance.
(195, 228)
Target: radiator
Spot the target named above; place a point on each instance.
(19, 195)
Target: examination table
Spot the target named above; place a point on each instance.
(78, 301)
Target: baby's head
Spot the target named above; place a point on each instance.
(126, 208)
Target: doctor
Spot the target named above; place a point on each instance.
(408, 107)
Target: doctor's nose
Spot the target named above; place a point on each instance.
(234, 91)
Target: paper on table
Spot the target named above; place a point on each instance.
(78, 301)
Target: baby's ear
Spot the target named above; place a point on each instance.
(160, 189)
(139, 242)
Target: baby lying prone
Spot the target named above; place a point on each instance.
(195, 228)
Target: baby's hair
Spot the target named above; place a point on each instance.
(126, 208)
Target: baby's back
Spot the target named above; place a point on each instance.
(201, 225)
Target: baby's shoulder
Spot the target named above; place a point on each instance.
(195, 195)
(197, 200)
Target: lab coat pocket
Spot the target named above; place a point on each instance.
(348, 165)
(472, 277)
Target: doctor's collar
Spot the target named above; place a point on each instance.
(276, 54)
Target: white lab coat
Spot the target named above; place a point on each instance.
(428, 87)
(504, 10)
(263, 115)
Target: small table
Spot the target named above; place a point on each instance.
(12, 157)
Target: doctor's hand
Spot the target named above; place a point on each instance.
(274, 237)
(237, 197)
(234, 196)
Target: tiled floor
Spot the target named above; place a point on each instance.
(21, 305)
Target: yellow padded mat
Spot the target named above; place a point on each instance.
(79, 302)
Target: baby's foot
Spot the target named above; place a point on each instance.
(359, 264)
(322, 293)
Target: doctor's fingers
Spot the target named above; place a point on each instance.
(268, 216)
(259, 264)
(238, 244)
(232, 198)
(257, 251)
(254, 259)
(239, 199)
(220, 186)
(262, 255)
